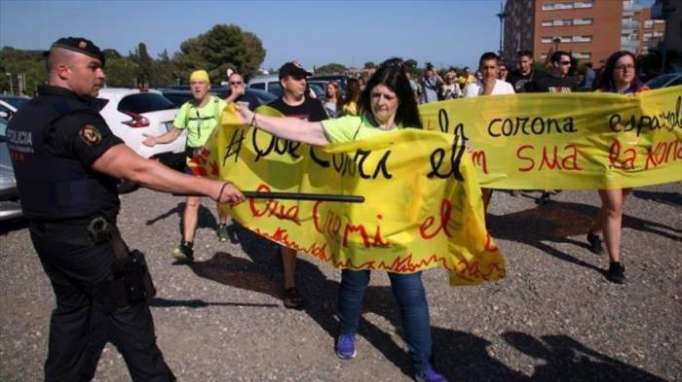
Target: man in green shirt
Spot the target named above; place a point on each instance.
(198, 117)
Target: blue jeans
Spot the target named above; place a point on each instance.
(408, 291)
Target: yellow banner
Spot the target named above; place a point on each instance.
(568, 141)
(422, 204)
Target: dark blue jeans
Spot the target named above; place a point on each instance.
(408, 291)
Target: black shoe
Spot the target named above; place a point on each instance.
(184, 251)
(595, 243)
(616, 273)
(292, 299)
(544, 198)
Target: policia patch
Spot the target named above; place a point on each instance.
(90, 135)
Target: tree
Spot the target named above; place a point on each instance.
(222, 47)
(369, 65)
(144, 64)
(332, 68)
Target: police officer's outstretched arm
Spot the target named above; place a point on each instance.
(122, 162)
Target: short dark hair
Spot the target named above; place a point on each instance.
(525, 53)
(488, 56)
(392, 74)
(556, 56)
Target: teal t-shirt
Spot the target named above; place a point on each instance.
(199, 121)
(350, 128)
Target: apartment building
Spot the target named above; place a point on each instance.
(590, 29)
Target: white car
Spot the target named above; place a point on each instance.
(131, 113)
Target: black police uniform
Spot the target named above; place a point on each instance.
(53, 142)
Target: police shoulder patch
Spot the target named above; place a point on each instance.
(90, 134)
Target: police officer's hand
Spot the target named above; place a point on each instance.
(149, 140)
(228, 193)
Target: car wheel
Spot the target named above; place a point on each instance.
(125, 186)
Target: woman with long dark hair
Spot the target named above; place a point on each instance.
(350, 101)
(386, 104)
(619, 76)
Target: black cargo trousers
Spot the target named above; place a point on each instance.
(85, 318)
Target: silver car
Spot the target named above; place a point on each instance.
(10, 208)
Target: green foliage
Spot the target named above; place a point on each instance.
(28, 63)
(370, 65)
(222, 47)
(332, 68)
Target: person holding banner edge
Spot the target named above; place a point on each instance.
(386, 103)
(619, 76)
(198, 116)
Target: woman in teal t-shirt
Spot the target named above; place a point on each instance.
(387, 103)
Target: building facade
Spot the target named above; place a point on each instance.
(590, 29)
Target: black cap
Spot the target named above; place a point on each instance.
(293, 68)
(80, 45)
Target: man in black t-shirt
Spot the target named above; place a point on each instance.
(557, 80)
(524, 72)
(294, 103)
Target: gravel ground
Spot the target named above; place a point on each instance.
(554, 317)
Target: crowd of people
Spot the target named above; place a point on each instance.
(79, 244)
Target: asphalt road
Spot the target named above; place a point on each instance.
(554, 318)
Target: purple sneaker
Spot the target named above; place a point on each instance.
(430, 375)
(345, 346)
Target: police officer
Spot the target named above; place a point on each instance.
(67, 162)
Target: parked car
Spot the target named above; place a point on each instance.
(665, 80)
(319, 88)
(341, 79)
(131, 113)
(10, 206)
(269, 84)
(181, 95)
(15, 101)
(7, 110)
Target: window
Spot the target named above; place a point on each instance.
(583, 21)
(582, 38)
(648, 24)
(582, 55)
(556, 6)
(144, 103)
(582, 4)
(259, 85)
(547, 23)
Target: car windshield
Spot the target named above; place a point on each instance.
(660, 81)
(144, 103)
(17, 102)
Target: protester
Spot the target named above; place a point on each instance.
(198, 116)
(67, 172)
(588, 78)
(430, 85)
(489, 84)
(238, 92)
(619, 76)
(558, 80)
(450, 88)
(465, 78)
(503, 73)
(295, 103)
(386, 104)
(350, 102)
(333, 99)
(524, 72)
